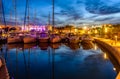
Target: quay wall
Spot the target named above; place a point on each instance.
(112, 50)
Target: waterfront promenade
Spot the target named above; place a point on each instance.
(115, 44)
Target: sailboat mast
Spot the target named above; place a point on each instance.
(25, 13)
(49, 19)
(3, 13)
(28, 14)
(14, 3)
(53, 23)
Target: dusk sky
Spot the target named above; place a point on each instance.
(77, 12)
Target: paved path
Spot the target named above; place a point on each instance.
(115, 44)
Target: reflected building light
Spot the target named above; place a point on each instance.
(105, 56)
(114, 68)
(95, 47)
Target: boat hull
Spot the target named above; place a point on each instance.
(55, 39)
(29, 40)
(43, 40)
(14, 40)
(74, 40)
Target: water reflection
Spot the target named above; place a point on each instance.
(28, 46)
(73, 46)
(55, 45)
(43, 46)
(13, 46)
(87, 45)
(57, 61)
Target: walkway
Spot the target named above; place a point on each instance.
(115, 44)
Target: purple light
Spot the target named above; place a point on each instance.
(36, 28)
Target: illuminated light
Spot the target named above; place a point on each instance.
(95, 47)
(114, 69)
(89, 32)
(116, 36)
(110, 25)
(106, 30)
(76, 30)
(85, 28)
(96, 31)
(105, 56)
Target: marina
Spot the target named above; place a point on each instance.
(55, 39)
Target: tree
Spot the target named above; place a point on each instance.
(69, 27)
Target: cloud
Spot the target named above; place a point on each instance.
(77, 12)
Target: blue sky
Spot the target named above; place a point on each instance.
(77, 12)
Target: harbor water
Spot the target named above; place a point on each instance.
(57, 61)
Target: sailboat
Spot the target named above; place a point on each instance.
(28, 38)
(13, 37)
(55, 38)
(44, 36)
(74, 39)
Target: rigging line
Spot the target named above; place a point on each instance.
(25, 13)
(3, 13)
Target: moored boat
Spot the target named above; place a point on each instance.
(29, 39)
(43, 38)
(74, 39)
(14, 39)
(86, 37)
(55, 39)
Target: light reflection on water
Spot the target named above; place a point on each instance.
(57, 61)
